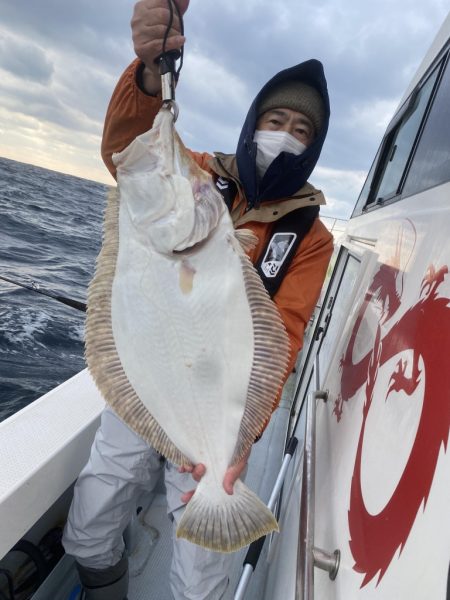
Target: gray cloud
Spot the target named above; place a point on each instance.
(25, 59)
(99, 30)
(35, 101)
(369, 52)
(65, 58)
(86, 89)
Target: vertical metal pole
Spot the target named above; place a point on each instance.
(317, 371)
(305, 562)
(307, 555)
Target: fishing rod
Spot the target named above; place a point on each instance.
(34, 287)
(255, 548)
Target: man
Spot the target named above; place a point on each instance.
(265, 187)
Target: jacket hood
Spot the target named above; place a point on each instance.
(287, 173)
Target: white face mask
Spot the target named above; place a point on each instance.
(270, 144)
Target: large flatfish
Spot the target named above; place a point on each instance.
(181, 337)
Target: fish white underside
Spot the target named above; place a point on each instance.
(181, 337)
(195, 348)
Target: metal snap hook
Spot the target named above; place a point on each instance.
(173, 107)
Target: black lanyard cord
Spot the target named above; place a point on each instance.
(171, 4)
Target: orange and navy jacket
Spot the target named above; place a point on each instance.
(131, 112)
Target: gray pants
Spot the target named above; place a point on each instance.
(121, 466)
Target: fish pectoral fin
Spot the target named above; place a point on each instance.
(246, 238)
(225, 526)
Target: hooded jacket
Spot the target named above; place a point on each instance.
(257, 204)
(287, 173)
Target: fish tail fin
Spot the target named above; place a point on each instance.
(227, 523)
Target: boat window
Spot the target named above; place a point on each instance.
(364, 195)
(431, 162)
(400, 142)
(387, 173)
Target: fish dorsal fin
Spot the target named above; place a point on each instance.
(270, 360)
(101, 353)
(246, 238)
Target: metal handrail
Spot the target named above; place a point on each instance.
(309, 556)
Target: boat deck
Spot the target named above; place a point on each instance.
(149, 540)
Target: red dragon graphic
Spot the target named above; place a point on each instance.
(424, 329)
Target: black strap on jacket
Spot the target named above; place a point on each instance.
(228, 191)
(286, 235)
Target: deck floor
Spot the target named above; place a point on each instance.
(150, 560)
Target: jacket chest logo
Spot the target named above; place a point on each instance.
(227, 190)
(222, 183)
(277, 252)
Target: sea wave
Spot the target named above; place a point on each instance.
(50, 234)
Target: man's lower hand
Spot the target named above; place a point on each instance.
(197, 473)
(232, 474)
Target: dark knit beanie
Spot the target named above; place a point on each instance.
(298, 96)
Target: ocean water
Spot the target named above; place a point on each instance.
(50, 235)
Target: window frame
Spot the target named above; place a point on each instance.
(380, 162)
(444, 72)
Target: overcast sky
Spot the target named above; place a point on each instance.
(60, 60)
